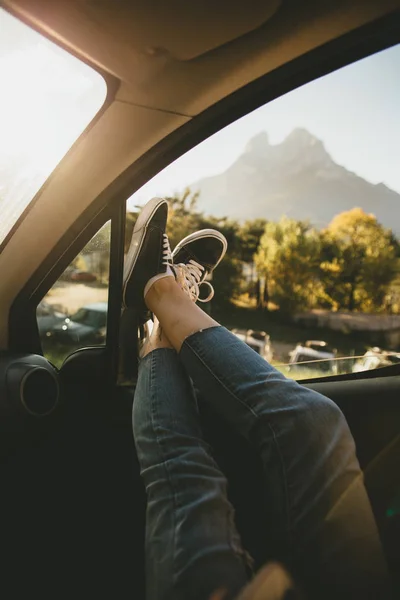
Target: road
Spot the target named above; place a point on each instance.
(69, 297)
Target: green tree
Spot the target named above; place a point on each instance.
(288, 259)
(183, 216)
(249, 235)
(361, 261)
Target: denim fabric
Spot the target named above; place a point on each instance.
(192, 546)
(321, 522)
(318, 504)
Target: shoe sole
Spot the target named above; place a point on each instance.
(198, 235)
(145, 216)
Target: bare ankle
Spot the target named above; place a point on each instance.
(159, 288)
(156, 340)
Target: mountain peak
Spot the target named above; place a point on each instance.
(296, 177)
(302, 149)
(257, 144)
(301, 137)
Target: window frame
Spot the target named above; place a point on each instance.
(23, 330)
(111, 202)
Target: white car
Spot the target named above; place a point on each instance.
(374, 358)
(314, 354)
(259, 341)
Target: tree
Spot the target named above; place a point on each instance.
(183, 217)
(361, 260)
(249, 235)
(288, 258)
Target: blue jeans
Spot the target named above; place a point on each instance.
(320, 517)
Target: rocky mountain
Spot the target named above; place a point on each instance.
(297, 178)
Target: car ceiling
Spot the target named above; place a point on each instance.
(164, 62)
(114, 34)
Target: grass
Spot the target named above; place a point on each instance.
(282, 331)
(299, 374)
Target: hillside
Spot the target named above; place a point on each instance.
(297, 178)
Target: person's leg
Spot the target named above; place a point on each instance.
(192, 547)
(318, 504)
(318, 500)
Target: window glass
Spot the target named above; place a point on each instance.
(47, 98)
(307, 191)
(73, 314)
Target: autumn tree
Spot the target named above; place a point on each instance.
(358, 260)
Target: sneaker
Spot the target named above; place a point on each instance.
(149, 254)
(195, 257)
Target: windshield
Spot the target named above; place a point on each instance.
(47, 98)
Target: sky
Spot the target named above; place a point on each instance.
(48, 97)
(355, 111)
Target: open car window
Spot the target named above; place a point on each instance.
(47, 99)
(306, 190)
(73, 314)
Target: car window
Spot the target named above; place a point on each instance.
(73, 314)
(306, 190)
(47, 99)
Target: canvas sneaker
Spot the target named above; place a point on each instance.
(149, 255)
(195, 257)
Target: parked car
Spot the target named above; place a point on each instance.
(87, 325)
(315, 355)
(83, 276)
(375, 358)
(259, 341)
(48, 317)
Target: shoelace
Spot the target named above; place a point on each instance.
(188, 277)
(167, 254)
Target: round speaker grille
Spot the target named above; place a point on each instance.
(39, 391)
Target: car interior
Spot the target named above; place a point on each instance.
(173, 75)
